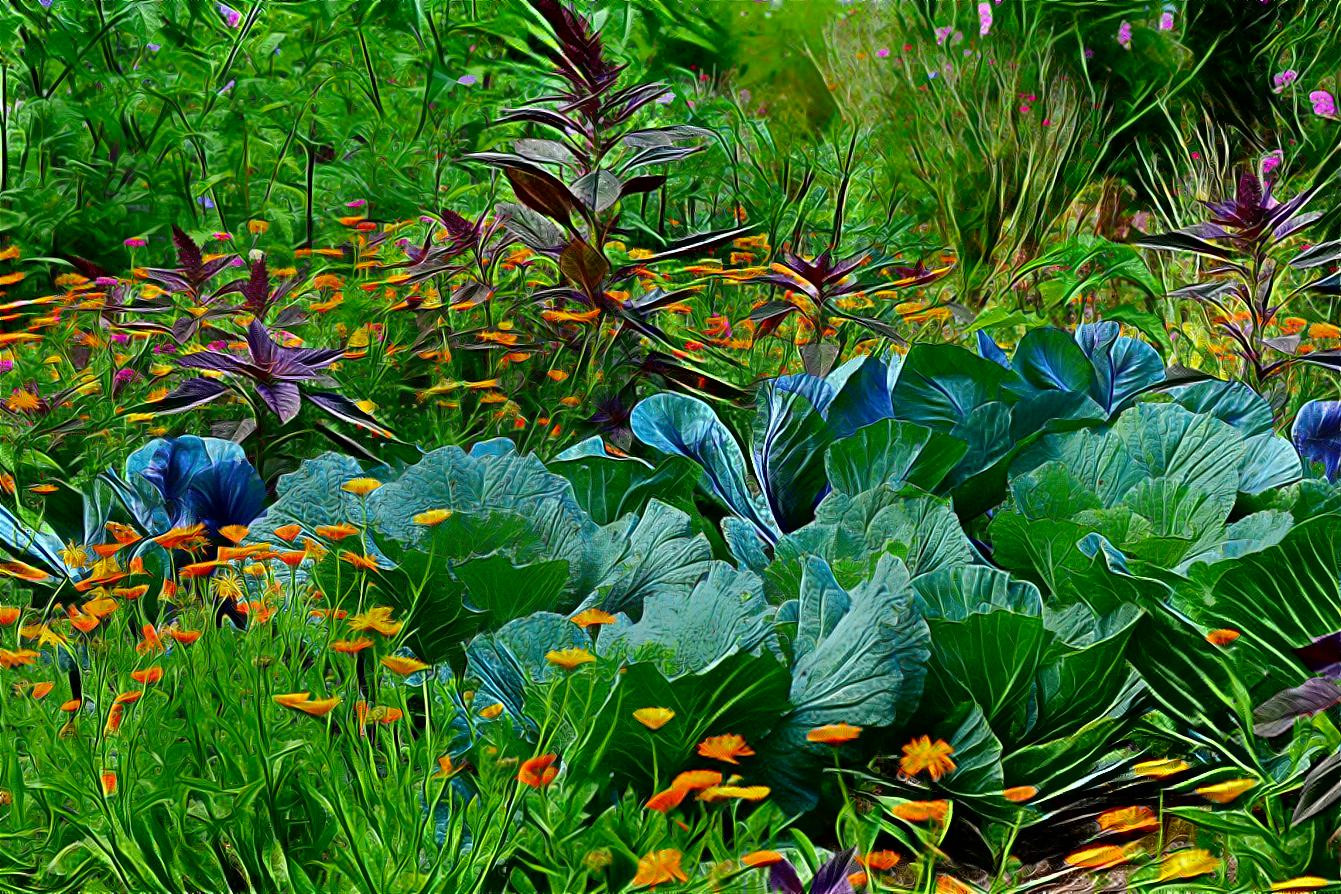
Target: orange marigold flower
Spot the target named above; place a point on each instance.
(148, 676)
(1158, 769)
(1324, 330)
(539, 771)
(72, 705)
(1019, 794)
(1102, 856)
(947, 885)
(1128, 819)
(9, 615)
(725, 748)
(403, 664)
(923, 754)
(364, 563)
(880, 861)
(108, 780)
(10, 659)
(234, 533)
(659, 868)
(667, 800)
(1222, 637)
(360, 487)
(592, 617)
(431, 517)
(377, 619)
(834, 734)
(921, 811)
(337, 532)
(351, 646)
(491, 711)
(693, 780)
(288, 533)
(716, 793)
(130, 697)
(302, 701)
(42, 690)
(756, 859)
(185, 637)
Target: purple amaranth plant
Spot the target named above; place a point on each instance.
(1240, 239)
(275, 373)
(832, 877)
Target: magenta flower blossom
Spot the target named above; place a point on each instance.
(984, 19)
(1284, 79)
(1124, 35)
(135, 242)
(943, 33)
(356, 203)
(1271, 161)
(882, 53)
(231, 16)
(1166, 21)
(1324, 104)
(467, 80)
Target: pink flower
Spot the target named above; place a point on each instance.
(1124, 35)
(1284, 79)
(984, 19)
(230, 15)
(136, 242)
(1271, 161)
(882, 53)
(1166, 21)
(1324, 104)
(356, 203)
(942, 33)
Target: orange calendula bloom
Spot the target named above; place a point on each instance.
(148, 676)
(716, 793)
(569, 659)
(288, 533)
(403, 664)
(948, 885)
(1224, 792)
(72, 705)
(492, 711)
(9, 615)
(302, 701)
(42, 690)
(1158, 769)
(234, 533)
(659, 868)
(23, 571)
(185, 637)
(183, 538)
(1128, 819)
(1102, 856)
(725, 748)
(108, 780)
(694, 780)
(337, 532)
(592, 617)
(129, 698)
(923, 754)
(921, 811)
(364, 563)
(653, 718)
(10, 659)
(350, 646)
(757, 859)
(431, 517)
(1187, 863)
(834, 734)
(667, 800)
(1222, 637)
(539, 771)
(1019, 794)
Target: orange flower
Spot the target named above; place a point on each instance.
(692, 780)
(403, 665)
(108, 780)
(41, 690)
(538, 772)
(10, 659)
(431, 517)
(880, 861)
(360, 487)
(288, 533)
(23, 571)
(376, 620)
(234, 533)
(923, 754)
(1222, 637)
(364, 563)
(658, 868)
(1102, 856)
(72, 705)
(725, 748)
(947, 885)
(129, 698)
(716, 793)
(667, 800)
(302, 701)
(834, 734)
(148, 676)
(9, 615)
(83, 623)
(1128, 819)
(756, 859)
(921, 811)
(351, 646)
(182, 538)
(337, 532)
(1020, 793)
(592, 617)
(185, 637)
(1158, 769)
(491, 711)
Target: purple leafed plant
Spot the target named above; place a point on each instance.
(1244, 269)
(832, 877)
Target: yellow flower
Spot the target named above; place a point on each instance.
(432, 517)
(569, 659)
(1302, 883)
(653, 718)
(403, 665)
(592, 617)
(492, 711)
(302, 701)
(923, 754)
(658, 868)
(361, 487)
(833, 734)
(1224, 792)
(377, 619)
(1187, 863)
(1158, 769)
(738, 792)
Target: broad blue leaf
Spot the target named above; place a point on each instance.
(1122, 367)
(1317, 435)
